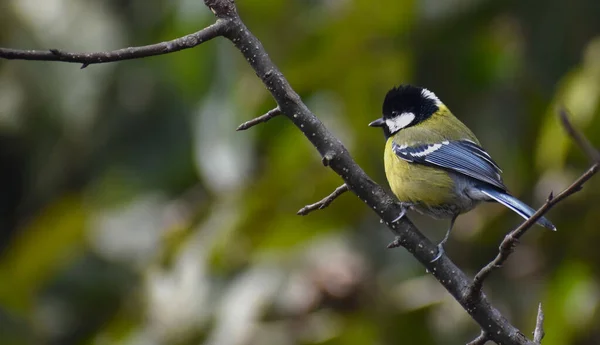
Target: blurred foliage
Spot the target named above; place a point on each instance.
(131, 212)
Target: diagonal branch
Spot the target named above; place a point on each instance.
(337, 157)
(510, 240)
(494, 325)
(319, 205)
(263, 118)
(86, 59)
(582, 142)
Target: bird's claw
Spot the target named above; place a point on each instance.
(440, 252)
(402, 214)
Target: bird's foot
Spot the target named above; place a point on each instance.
(440, 252)
(401, 215)
(440, 246)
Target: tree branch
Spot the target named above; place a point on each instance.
(494, 325)
(480, 340)
(538, 333)
(333, 152)
(86, 59)
(337, 157)
(263, 118)
(582, 142)
(510, 240)
(319, 205)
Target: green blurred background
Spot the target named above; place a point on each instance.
(131, 212)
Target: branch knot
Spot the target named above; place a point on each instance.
(222, 8)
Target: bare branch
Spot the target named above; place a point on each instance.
(480, 340)
(337, 157)
(319, 205)
(582, 142)
(494, 325)
(510, 240)
(263, 118)
(86, 59)
(538, 333)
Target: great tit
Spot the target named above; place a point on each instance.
(434, 163)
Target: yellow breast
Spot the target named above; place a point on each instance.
(416, 183)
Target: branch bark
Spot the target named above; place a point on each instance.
(319, 205)
(580, 140)
(494, 325)
(538, 333)
(86, 59)
(261, 119)
(480, 340)
(337, 157)
(510, 240)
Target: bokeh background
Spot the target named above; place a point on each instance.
(131, 212)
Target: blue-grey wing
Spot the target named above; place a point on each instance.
(461, 156)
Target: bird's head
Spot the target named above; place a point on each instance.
(406, 106)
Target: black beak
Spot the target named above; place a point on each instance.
(377, 123)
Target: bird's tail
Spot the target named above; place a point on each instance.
(516, 205)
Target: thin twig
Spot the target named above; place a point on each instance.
(263, 118)
(480, 340)
(510, 240)
(334, 154)
(582, 142)
(185, 42)
(319, 205)
(538, 333)
(337, 157)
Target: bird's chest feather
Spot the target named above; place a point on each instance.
(415, 183)
(432, 191)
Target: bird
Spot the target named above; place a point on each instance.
(434, 163)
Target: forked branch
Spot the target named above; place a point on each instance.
(480, 340)
(510, 240)
(494, 325)
(86, 59)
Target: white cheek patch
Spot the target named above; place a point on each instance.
(398, 122)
